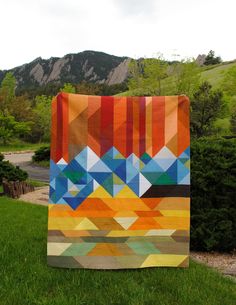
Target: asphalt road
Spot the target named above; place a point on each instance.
(24, 162)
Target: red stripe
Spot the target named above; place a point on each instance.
(59, 128)
(107, 109)
(129, 127)
(142, 126)
(158, 123)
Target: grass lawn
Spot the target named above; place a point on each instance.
(36, 183)
(25, 279)
(43, 163)
(19, 145)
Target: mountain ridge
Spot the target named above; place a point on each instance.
(90, 66)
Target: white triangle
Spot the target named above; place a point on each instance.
(62, 162)
(144, 185)
(92, 158)
(164, 153)
(125, 222)
(95, 185)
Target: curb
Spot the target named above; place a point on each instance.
(17, 152)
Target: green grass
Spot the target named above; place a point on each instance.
(43, 163)
(25, 278)
(19, 145)
(216, 73)
(36, 183)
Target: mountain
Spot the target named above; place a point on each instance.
(90, 66)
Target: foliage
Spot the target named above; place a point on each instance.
(206, 106)
(148, 73)
(155, 70)
(135, 74)
(185, 78)
(69, 88)
(233, 121)
(11, 172)
(213, 211)
(42, 111)
(21, 108)
(7, 90)
(23, 256)
(211, 59)
(42, 154)
(228, 83)
(9, 128)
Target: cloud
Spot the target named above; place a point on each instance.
(137, 7)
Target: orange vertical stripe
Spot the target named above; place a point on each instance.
(183, 124)
(136, 126)
(171, 116)
(158, 123)
(65, 154)
(149, 125)
(94, 121)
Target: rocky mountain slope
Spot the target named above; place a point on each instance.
(87, 66)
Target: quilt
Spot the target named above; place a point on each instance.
(119, 182)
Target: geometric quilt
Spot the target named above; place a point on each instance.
(119, 182)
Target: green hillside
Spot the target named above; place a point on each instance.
(215, 74)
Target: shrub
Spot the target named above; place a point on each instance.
(42, 154)
(213, 193)
(11, 172)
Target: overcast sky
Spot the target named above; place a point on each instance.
(135, 28)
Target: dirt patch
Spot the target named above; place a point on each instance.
(224, 262)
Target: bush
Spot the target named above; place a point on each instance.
(11, 172)
(42, 154)
(213, 193)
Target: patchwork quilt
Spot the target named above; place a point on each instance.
(119, 182)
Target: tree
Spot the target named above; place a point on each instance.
(233, 121)
(186, 78)
(42, 111)
(211, 59)
(10, 128)
(155, 70)
(7, 90)
(69, 88)
(135, 70)
(206, 106)
(21, 108)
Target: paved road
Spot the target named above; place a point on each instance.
(23, 160)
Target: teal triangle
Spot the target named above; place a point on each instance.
(152, 177)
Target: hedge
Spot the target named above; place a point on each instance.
(213, 194)
(11, 172)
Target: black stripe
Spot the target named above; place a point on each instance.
(167, 191)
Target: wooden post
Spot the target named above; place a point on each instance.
(14, 189)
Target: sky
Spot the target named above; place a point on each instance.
(177, 29)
